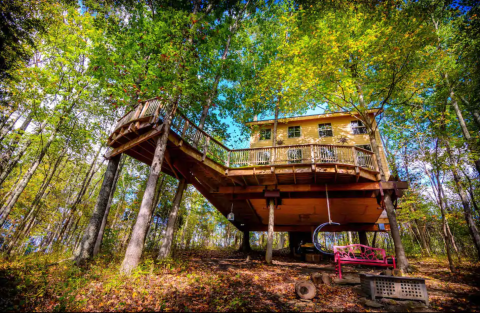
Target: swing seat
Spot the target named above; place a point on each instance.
(360, 255)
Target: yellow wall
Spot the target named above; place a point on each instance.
(309, 134)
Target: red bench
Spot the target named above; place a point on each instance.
(360, 255)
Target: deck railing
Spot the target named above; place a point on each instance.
(236, 158)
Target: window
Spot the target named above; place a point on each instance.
(358, 128)
(263, 157)
(265, 134)
(325, 130)
(294, 132)
(366, 147)
(294, 156)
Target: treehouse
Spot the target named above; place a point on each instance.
(315, 157)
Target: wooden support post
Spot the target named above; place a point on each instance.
(374, 240)
(363, 238)
(271, 220)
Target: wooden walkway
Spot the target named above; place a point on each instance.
(300, 173)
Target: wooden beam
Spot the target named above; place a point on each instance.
(254, 211)
(258, 183)
(315, 188)
(129, 145)
(169, 162)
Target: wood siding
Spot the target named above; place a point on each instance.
(309, 134)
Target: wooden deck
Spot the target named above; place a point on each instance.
(224, 176)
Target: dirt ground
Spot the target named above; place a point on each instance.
(216, 281)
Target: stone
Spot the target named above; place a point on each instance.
(326, 279)
(388, 301)
(359, 291)
(373, 304)
(345, 281)
(316, 278)
(397, 272)
(388, 272)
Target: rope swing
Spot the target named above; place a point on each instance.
(315, 240)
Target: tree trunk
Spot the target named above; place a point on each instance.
(472, 227)
(275, 123)
(21, 230)
(246, 242)
(463, 126)
(374, 241)
(85, 250)
(350, 241)
(81, 193)
(271, 220)
(389, 208)
(12, 200)
(363, 238)
(98, 243)
(12, 162)
(166, 246)
(7, 155)
(139, 232)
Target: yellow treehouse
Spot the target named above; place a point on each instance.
(338, 130)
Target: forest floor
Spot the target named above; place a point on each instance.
(206, 280)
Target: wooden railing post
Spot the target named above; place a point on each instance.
(144, 110)
(354, 153)
(272, 156)
(185, 127)
(312, 154)
(157, 111)
(205, 148)
(138, 111)
(229, 153)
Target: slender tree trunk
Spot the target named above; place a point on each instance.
(85, 250)
(463, 126)
(12, 162)
(185, 227)
(374, 241)
(472, 227)
(98, 243)
(12, 200)
(350, 241)
(166, 246)
(389, 208)
(271, 220)
(86, 182)
(31, 215)
(5, 131)
(7, 155)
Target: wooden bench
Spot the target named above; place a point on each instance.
(360, 255)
